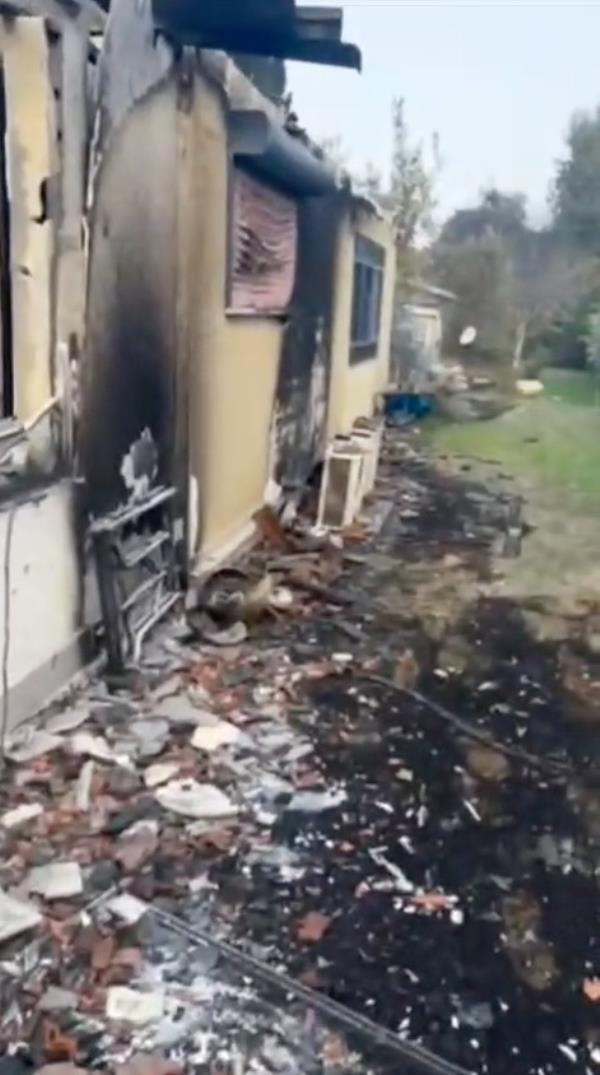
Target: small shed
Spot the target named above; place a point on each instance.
(417, 335)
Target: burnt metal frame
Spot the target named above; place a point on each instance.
(123, 637)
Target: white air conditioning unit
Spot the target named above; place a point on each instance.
(342, 484)
(369, 439)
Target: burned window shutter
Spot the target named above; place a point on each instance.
(265, 227)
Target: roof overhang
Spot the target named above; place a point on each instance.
(265, 148)
(259, 27)
(430, 291)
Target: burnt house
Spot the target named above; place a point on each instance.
(191, 309)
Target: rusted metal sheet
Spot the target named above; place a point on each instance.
(305, 369)
(265, 225)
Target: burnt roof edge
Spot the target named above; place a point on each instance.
(308, 34)
(265, 148)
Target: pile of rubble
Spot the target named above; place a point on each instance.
(373, 815)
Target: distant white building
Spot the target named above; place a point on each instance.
(417, 336)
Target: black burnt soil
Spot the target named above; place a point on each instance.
(493, 977)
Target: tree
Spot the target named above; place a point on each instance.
(576, 193)
(592, 347)
(503, 215)
(549, 282)
(371, 181)
(518, 282)
(408, 193)
(412, 182)
(478, 272)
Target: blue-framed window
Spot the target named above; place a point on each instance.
(369, 267)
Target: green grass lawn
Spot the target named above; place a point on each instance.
(571, 386)
(552, 441)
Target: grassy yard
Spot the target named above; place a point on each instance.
(552, 442)
(570, 386)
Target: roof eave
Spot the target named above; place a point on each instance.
(308, 34)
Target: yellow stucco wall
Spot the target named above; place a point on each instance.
(353, 388)
(31, 156)
(233, 361)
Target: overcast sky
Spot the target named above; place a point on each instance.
(497, 80)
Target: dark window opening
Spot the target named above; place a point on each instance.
(369, 264)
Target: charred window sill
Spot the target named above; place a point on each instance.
(280, 316)
(363, 352)
(24, 488)
(30, 460)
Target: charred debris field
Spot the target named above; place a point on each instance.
(403, 817)
(451, 893)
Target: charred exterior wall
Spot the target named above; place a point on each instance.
(304, 375)
(41, 629)
(129, 368)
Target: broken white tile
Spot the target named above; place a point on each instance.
(67, 721)
(128, 908)
(125, 1005)
(154, 728)
(11, 967)
(20, 815)
(473, 812)
(210, 737)
(16, 916)
(314, 802)
(140, 828)
(167, 689)
(56, 1000)
(262, 695)
(58, 881)
(83, 786)
(158, 774)
(201, 884)
(179, 710)
(94, 746)
(402, 882)
(30, 743)
(405, 775)
(191, 799)
(282, 599)
(229, 636)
